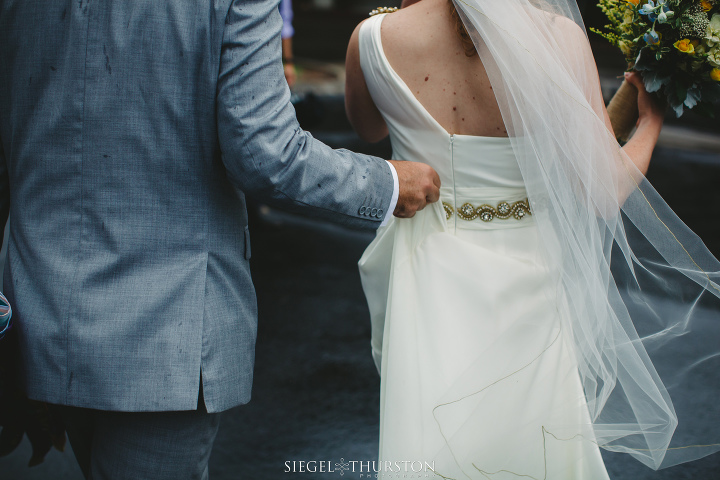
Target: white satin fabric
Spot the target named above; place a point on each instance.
(478, 378)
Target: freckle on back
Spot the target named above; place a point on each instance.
(416, 59)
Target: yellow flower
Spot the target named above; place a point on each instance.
(706, 6)
(715, 74)
(685, 46)
(636, 2)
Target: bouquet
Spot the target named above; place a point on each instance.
(5, 316)
(674, 44)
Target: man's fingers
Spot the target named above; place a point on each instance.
(436, 180)
(402, 212)
(419, 185)
(409, 209)
(433, 196)
(432, 193)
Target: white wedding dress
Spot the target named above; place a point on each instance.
(478, 379)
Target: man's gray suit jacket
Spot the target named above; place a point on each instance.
(129, 130)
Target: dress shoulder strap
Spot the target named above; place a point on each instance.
(372, 57)
(383, 84)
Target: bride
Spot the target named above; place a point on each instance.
(539, 310)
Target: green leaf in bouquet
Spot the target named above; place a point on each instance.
(692, 97)
(680, 92)
(676, 105)
(645, 60)
(655, 80)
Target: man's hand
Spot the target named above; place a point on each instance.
(419, 185)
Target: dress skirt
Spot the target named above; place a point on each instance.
(472, 341)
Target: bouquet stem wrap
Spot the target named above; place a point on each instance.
(623, 111)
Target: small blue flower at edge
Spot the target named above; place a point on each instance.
(648, 8)
(659, 12)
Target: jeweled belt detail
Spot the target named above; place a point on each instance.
(487, 213)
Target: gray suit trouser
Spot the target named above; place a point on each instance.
(141, 445)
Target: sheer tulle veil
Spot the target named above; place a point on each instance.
(642, 290)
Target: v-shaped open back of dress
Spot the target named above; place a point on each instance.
(477, 377)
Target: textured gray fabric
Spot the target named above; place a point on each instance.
(129, 130)
(141, 445)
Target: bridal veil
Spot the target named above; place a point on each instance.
(641, 288)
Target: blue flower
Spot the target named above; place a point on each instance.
(665, 15)
(648, 8)
(660, 12)
(652, 37)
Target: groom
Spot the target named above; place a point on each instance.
(129, 131)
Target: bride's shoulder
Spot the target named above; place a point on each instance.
(562, 30)
(559, 24)
(402, 27)
(415, 27)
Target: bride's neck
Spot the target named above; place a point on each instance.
(467, 42)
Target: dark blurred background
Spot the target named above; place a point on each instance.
(316, 392)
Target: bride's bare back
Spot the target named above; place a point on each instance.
(423, 46)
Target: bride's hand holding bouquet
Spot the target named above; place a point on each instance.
(674, 45)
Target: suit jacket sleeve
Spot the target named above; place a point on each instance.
(265, 151)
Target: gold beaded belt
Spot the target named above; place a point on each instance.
(486, 213)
